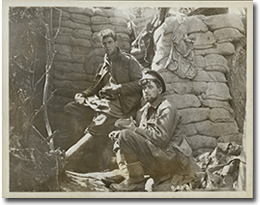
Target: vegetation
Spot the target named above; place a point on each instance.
(34, 163)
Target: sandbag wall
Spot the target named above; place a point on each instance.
(196, 82)
(78, 48)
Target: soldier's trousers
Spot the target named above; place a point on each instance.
(156, 161)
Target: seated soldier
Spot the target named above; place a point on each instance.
(154, 144)
(115, 93)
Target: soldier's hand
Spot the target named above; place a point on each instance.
(79, 98)
(128, 123)
(114, 135)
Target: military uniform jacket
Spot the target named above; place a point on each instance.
(162, 129)
(125, 70)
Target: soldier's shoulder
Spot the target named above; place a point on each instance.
(168, 104)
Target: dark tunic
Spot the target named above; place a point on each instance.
(123, 69)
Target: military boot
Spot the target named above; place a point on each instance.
(117, 175)
(135, 180)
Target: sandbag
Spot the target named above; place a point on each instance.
(124, 45)
(170, 77)
(74, 25)
(63, 58)
(235, 137)
(79, 18)
(199, 87)
(91, 54)
(117, 21)
(81, 42)
(79, 67)
(227, 34)
(184, 101)
(164, 40)
(63, 49)
(215, 62)
(90, 66)
(195, 25)
(190, 115)
(199, 61)
(72, 76)
(202, 40)
(63, 31)
(189, 129)
(80, 33)
(64, 15)
(104, 12)
(209, 128)
(217, 91)
(99, 20)
(81, 50)
(123, 37)
(73, 58)
(95, 40)
(208, 76)
(99, 59)
(117, 29)
(77, 58)
(224, 21)
(216, 104)
(68, 67)
(122, 14)
(183, 67)
(89, 11)
(99, 52)
(180, 59)
(196, 88)
(161, 54)
(199, 141)
(65, 40)
(170, 25)
(219, 48)
(216, 68)
(179, 88)
(220, 115)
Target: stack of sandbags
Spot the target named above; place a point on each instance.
(203, 98)
(78, 48)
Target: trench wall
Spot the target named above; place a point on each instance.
(192, 53)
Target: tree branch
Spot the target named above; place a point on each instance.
(42, 106)
(58, 30)
(50, 55)
(43, 75)
(38, 132)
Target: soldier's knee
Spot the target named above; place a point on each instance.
(69, 107)
(126, 135)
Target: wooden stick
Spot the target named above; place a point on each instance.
(78, 145)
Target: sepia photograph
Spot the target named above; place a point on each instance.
(127, 99)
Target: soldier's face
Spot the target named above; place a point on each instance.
(110, 45)
(151, 91)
